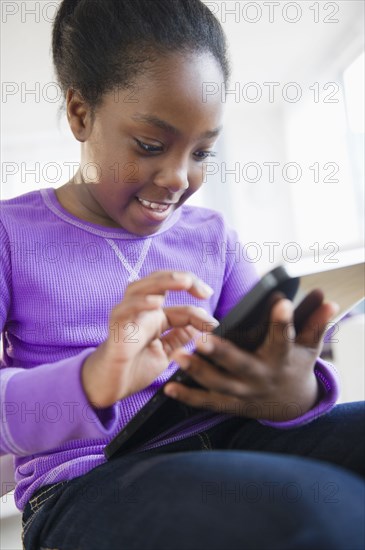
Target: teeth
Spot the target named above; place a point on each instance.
(154, 205)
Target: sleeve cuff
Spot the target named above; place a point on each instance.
(47, 406)
(327, 376)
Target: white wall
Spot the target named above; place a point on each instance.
(305, 132)
(31, 129)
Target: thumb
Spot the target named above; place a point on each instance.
(315, 326)
(281, 332)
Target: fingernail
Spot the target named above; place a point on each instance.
(204, 288)
(171, 392)
(288, 308)
(204, 346)
(208, 316)
(155, 299)
(182, 277)
(183, 362)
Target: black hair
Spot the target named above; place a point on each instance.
(100, 45)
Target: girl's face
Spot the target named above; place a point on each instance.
(142, 155)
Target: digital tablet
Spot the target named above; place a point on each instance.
(245, 325)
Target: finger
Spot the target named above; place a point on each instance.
(208, 400)
(133, 307)
(211, 376)
(315, 327)
(281, 332)
(307, 306)
(180, 316)
(226, 355)
(177, 338)
(251, 407)
(160, 282)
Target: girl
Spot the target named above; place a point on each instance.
(92, 330)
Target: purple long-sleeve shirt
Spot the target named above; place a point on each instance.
(60, 278)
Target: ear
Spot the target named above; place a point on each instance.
(78, 115)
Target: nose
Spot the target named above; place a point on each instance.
(174, 178)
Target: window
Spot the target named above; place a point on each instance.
(353, 83)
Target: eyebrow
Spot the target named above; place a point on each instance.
(167, 127)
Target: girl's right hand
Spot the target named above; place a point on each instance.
(135, 353)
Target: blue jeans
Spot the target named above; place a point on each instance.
(238, 485)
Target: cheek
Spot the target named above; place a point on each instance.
(112, 161)
(127, 174)
(197, 178)
(117, 173)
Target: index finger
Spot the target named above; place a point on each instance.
(183, 316)
(161, 282)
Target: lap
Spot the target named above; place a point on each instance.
(337, 437)
(210, 499)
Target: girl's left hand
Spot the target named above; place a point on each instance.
(275, 383)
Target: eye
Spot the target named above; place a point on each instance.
(202, 155)
(149, 148)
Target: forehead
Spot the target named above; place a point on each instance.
(171, 88)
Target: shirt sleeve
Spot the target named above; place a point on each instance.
(44, 406)
(327, 377)
(240, 275)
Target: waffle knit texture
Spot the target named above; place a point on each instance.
(60, 278)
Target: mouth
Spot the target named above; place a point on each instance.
(155, 206)
(155, 211)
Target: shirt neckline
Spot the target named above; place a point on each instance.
(52, 203)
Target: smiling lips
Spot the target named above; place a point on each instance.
(155, 206)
